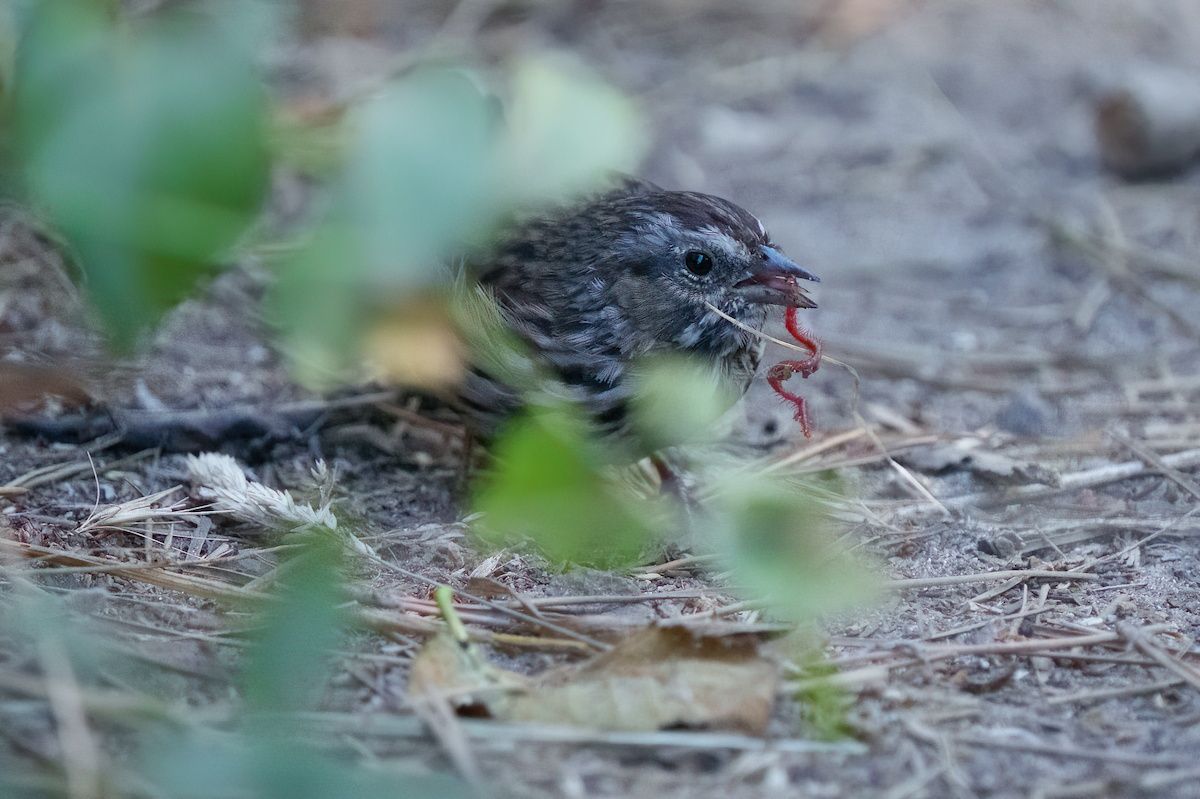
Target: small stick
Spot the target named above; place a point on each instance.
(958, 579)
(1087, 478)
(1114, 693)
(1142, 643)
(813, 451)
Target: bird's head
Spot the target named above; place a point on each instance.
(676, 253)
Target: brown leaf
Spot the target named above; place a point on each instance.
(416, 345)
(24, 387)
(660, 677)
(455, 670)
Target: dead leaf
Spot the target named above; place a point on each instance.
(416, 345)
(660, 677)
(22, 387)
(456, 670)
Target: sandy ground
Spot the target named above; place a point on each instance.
(1022, 322)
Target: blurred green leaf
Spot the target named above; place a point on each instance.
(430, 166)
(288, 671)
(145, 142)
(415, 184)
(198, 763)
(548, 483)
(780, 546)
(567, 130)
(678, 400)
(824, 705)
(825, 708)
(288, 661)
(318, 301)
(417, 180)
(9, 35)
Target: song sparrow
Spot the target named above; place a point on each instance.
(592, 287)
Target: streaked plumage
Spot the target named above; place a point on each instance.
(591, 288)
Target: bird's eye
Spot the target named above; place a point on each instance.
(698, 263)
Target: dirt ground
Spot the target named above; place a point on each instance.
(1023, 323)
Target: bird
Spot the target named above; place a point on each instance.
(591, 287)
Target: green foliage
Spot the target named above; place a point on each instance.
(429, 165)
(416, 180)
(414, 183)
(287, 661)
(780, 546)
(823, 704)
(145, 142)
(550, 484)
(259, 752)
(287, 673)
(678, 401)
(566, 129)
(552, 481)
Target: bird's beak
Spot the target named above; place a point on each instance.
(772, 281)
